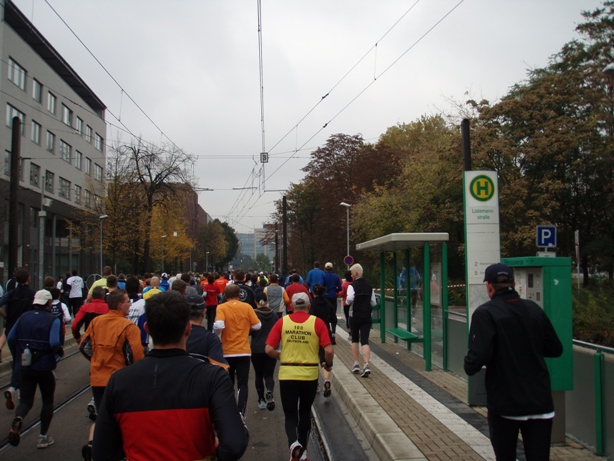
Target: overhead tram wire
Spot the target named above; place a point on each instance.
(111, 76)
(328, 93)
(376, 78)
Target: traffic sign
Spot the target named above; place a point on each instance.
(348, 260)
(546, 236)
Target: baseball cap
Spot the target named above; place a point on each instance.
(195, 300)
(164, 275)
(300, 299)
(42, 297)
(498, 273)
(328, 265)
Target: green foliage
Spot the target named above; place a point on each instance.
(593, 314)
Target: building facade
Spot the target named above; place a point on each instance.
(62, 154)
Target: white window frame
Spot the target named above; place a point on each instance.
(65, 151)
(14, 112)
(35, 135)
(66, 115)
(35, 173)
(51, 102)
(79, 126)
(97, 172)
(37, 91)
(17, 74)
(64, 188)
(78, 160)
(98, 142)
(77, 194)
(49, 180)
(88, 165)
(50, 142)
(88, 134)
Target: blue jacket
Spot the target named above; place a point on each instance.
(39, 330)
(332, 283)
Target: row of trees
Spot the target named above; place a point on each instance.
(152, 218)
(550, 139)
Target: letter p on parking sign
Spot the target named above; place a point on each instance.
(546, 236)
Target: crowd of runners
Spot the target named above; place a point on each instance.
(159, 330)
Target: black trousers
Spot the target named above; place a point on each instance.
(45, 380)
(239, 366)
(296, 399)
(536, 434)
(264, 369)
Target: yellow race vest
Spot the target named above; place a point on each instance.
(299, 350)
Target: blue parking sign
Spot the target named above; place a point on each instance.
(546, 236)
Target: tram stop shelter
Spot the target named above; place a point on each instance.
(403, 242)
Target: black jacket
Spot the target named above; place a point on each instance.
(361, 307)
(511, 336)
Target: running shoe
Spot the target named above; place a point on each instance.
(356, 368)
(261, 404)
(326, 388)
(296, 451)
(44, 441)
(366, 371)
(9, 395)
(15, 434)
(305, 457)
(270, 403)
(333, 339)
(91, 409)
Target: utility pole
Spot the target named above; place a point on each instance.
(13, 188)
(284, 269)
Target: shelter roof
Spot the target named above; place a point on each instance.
(403, 241)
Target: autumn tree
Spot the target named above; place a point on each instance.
(157, 172)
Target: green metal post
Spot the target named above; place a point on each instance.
(409, 314)
(444, 302)
(599, 445)
(382, 283)
(395, 291)
(426, 306)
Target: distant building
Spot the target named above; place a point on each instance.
(250, 246)
(62, 161)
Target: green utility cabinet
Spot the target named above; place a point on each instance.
(547, 282)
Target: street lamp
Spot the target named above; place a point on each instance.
(207, 261)
(102, 218)
(163, 237)
(347, 207)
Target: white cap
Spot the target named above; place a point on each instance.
(300, 299)
(42, 297)
(328, 265)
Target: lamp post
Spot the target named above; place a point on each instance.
(347, 207)
(163, 237)
(102, 218)
(207, 261)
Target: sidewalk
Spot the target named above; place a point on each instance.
(406, 413)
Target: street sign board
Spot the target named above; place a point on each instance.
(348, 260)
(546, 236)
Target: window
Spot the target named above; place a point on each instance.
(11, 112)
(64, 189)
(99, 142)
(98, 172)
(98, 201)
(66, 115)
(50, 142)
(88, 198)
(79, 126)
(65, 151)
(88, 166)
(7, 163)
(77, 194)
(88, 134)
(17, 74)
(78, 160)
(35, 172)
(37, 91)
(49, 178)
(51, 100)
(36, 133)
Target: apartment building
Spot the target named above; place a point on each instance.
(62, 154)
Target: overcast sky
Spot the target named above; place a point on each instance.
(193, 68)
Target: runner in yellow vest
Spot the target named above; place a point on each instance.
(301, 336)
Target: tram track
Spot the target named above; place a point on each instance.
(33, 418)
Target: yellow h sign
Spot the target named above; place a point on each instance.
(482, 188)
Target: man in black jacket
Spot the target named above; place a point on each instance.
(511, 337)
(169, 405)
